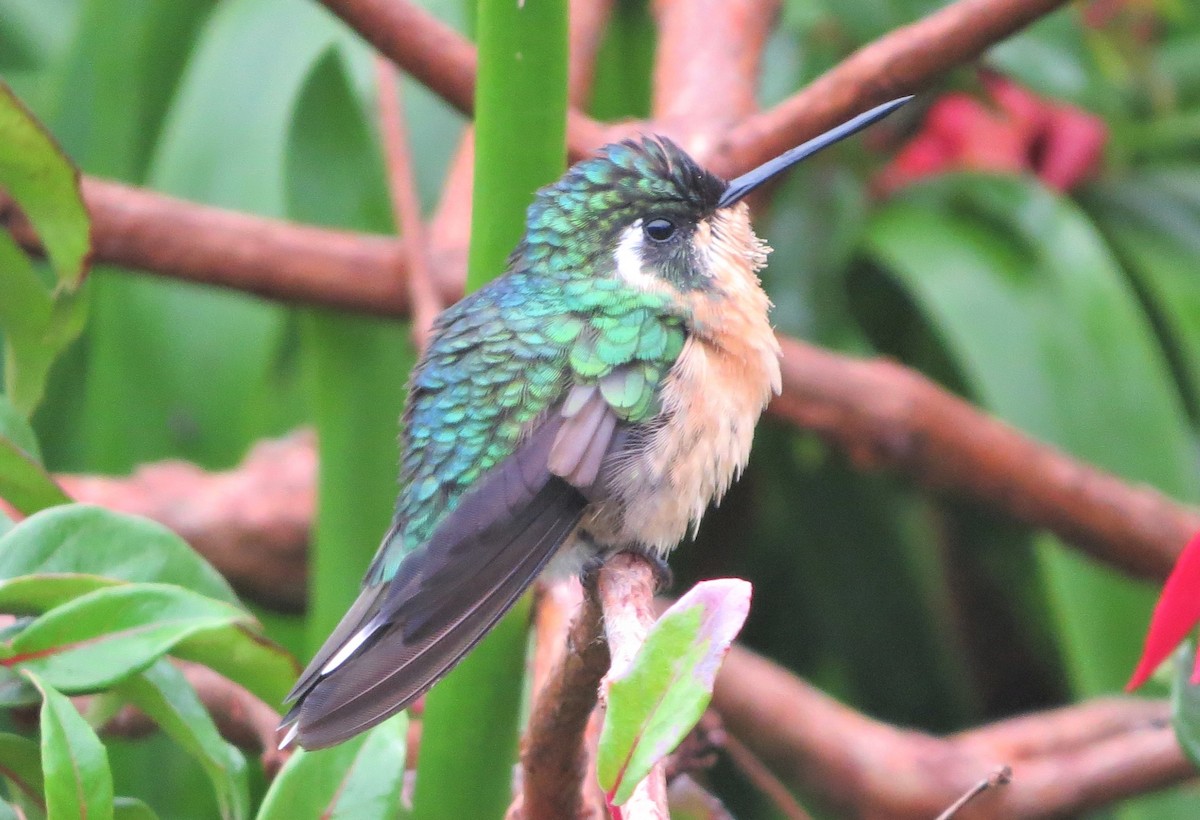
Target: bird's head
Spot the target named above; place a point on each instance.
(646, 212)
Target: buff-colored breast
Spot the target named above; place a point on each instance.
(711, 400)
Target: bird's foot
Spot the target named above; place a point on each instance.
(664, 579)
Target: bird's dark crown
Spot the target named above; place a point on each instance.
(582, 213)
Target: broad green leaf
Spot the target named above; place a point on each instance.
(99, 638)
(35, 594)
(130, 808)
(164, 694)
(16, 429)
(37, 325)
(361, 778)
(34, 171)
(241, 652)
(1185, 702)
(24, 483)
(200, 372)
(81, 539)
(21, 766)
(1151, 226)
(109, 107)
(74, 763)
(657, 701)
(1048, 335)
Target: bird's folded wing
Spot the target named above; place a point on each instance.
(401, 636)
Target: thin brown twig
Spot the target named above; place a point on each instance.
(242, 718)
(763, 779)
(424, 301)
(440, 58)
(903, 61)
(1000, 777)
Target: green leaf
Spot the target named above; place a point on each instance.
(34, 171)
(1047, 334)
(37, 325)
(74, 762)
(38, 321)
(81, 539)
(164, 694)
(98, 639)
(361, 778)
(1156, 231)
(15, 428)
(35, 594)
(130, 808)
(21, 766)
(1185, 702)
(241, 652)
(24, 483)
(657, 701)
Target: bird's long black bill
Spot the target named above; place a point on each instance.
(750, 180)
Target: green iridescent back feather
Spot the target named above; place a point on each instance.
(502, 357)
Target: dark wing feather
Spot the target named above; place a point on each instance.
(401, 637)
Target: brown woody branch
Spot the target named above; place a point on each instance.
(901, 62)
(140, 229)
(440, 58)
(884, 415)
(252, 523)
(1063, 762)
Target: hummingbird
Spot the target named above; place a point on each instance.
(596, 397)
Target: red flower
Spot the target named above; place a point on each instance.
(1175, 614)
(1018, 132)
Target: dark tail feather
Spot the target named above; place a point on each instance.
(401, 637)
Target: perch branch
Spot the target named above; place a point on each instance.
(553, 754)
(626, 586)
(903, 61)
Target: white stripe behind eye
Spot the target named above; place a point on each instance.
(628, 257)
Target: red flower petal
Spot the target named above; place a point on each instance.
(1177, 611)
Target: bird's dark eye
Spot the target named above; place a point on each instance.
(659, 230)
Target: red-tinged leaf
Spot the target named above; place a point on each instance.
(1175, 614)
(657, 701)
(77, 779)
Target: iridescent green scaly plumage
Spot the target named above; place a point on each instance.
(500, 358)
